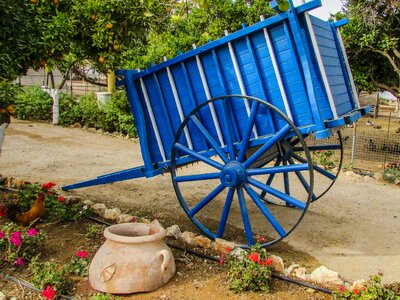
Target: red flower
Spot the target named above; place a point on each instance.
(342, 288)
(133, 220)
(61, 198)
(48, 185)
(32, 232)
(49, 292)
(227, 249)
(357, 292)
(261, 239)
(3, 211)
(81, 254)
(268, 261)
(255, 257)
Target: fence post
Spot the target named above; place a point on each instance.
(387, 140)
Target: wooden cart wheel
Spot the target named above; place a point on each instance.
(327, 156)
(225, 185)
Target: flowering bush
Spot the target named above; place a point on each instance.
(372, 290)
(17, 247)
(57, 209)
(79, 264)
(250, 271)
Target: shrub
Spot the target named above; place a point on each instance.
(250, 271)
(18, 246)
(391, 175)
(56, 207)
(372, 290)
(79, 264)
(33, 104)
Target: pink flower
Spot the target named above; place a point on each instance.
(254, 257)
(15, 238)
(133, 220)
(61, 198)
(19, 261)
(261, 239)
(221, 260)
(342, 288)
(32, 232)
(49, 292)
(2, 233)
(81, 254)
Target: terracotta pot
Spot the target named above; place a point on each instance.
(133, 259)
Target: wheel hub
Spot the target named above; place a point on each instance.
(233, 174)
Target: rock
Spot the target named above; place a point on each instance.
(277, 264)
(221, 246)
(378, 176)
(202, 242)
(124, 218)
(368, 178)
(112, 213)
(290, 269)
(300, 273)
(310, 290)
(238, 252)
(99, 208)
(72, 199)
(358, 284)
(88, 203)
(99, 131)
(323, 275)
(188, 237)
(92, 129)
(77, 125)
(174, 231)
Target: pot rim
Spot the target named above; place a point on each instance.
(111, 233)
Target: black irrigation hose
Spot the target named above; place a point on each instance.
(28, 285)
(215, 259)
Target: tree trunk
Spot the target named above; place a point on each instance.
(376, 111)
(110, 81)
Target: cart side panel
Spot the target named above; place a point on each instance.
(330, 57)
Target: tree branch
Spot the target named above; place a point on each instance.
(394, 90)
(396, 52)
(65, 75)
(88, 79)
(391, 59)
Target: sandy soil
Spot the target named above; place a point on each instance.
(354, 229)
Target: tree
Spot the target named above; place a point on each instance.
(373, 43)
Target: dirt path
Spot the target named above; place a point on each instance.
(354, 229)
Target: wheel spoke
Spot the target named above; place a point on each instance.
(206, 200)
(271, 177)
(198, 156)
(288, 199)
(197, 177)
(265, 211)
(319, 147)
(302, 180)
(225, 213)
(316, 168)
(281, 169)
(248, 131)
(286, 180)
(245, 217)
(272, 141)
(209, 138)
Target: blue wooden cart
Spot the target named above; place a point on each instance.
(231, 122)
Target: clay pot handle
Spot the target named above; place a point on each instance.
(166, 259)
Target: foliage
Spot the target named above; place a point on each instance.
(94, 231)
(325, 158)
(18, 246)
(195, 25)
(57, 210)
(79, 264)
(8, 93)
(100, 296)
(33, 104)
(83, 110)
(372, 41)
(250, 271)
(49, 273)
(391, 175)
(372, 290)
